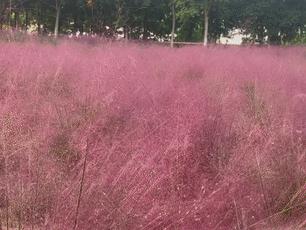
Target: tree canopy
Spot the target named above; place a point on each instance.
(272, 21)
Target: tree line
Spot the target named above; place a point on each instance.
(271, 21)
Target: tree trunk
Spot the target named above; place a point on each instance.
(126, 32)
(58, 10)
(10, 14)
(38, 18)
(92, 18)
(26, 20)
(261, 36)
(173, 25)
(16, 19)
(206, 19)
(145, 34)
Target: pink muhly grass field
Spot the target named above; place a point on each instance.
(187, 138)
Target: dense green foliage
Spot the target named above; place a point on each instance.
(272, 21)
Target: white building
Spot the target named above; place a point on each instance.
(235, 37)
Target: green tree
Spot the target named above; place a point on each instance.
(202, 20)
(279, 21)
